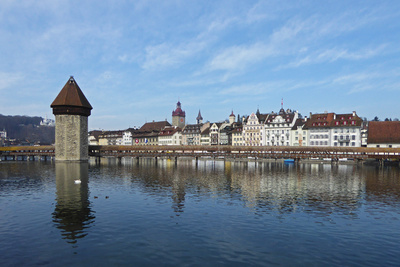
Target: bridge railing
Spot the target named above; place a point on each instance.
(217, 151)
(247, 151)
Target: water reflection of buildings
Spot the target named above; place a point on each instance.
(72, 214)
(264, 186)
(313, 188)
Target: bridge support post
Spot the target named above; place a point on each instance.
(119, 160)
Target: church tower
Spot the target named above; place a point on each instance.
(232, 118)
(71, 109)
(199, 118)
(178, 116)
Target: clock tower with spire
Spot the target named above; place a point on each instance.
(178, 116)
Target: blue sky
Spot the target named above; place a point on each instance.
(135, 59)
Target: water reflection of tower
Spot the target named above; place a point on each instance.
(72, 214)
(178, 193)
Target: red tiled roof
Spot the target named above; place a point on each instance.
(328, 120)
(383, 132)
(169, 131)
(154, 126)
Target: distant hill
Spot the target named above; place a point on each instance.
(27, 128)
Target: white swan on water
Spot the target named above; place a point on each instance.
(77, 181)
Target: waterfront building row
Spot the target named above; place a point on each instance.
(283, 128)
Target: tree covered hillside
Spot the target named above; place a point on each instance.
(27, 128)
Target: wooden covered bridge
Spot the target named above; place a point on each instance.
(213, 152)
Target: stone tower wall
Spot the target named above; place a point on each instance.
(71, 138)
(176, 121)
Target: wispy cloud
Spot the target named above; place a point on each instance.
(379, 79)
(334, 54)
(167, 55)
(239, 57)
(8, 79)
(253, 88)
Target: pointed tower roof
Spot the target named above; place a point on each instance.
(199, 117)
(71, 100)
(232, 115)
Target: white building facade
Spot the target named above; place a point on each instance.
(330, 129)
(278, 128)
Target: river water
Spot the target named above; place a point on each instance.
(213, 213)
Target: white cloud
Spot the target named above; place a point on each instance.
(334, 54)
(239, 57)
(253, 89)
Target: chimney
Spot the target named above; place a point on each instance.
(305, 118)
(354, 113)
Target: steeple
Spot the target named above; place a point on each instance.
(281, 111)
(258, 112)
(199, 118)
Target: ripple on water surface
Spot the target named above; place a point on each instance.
(212, 213)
